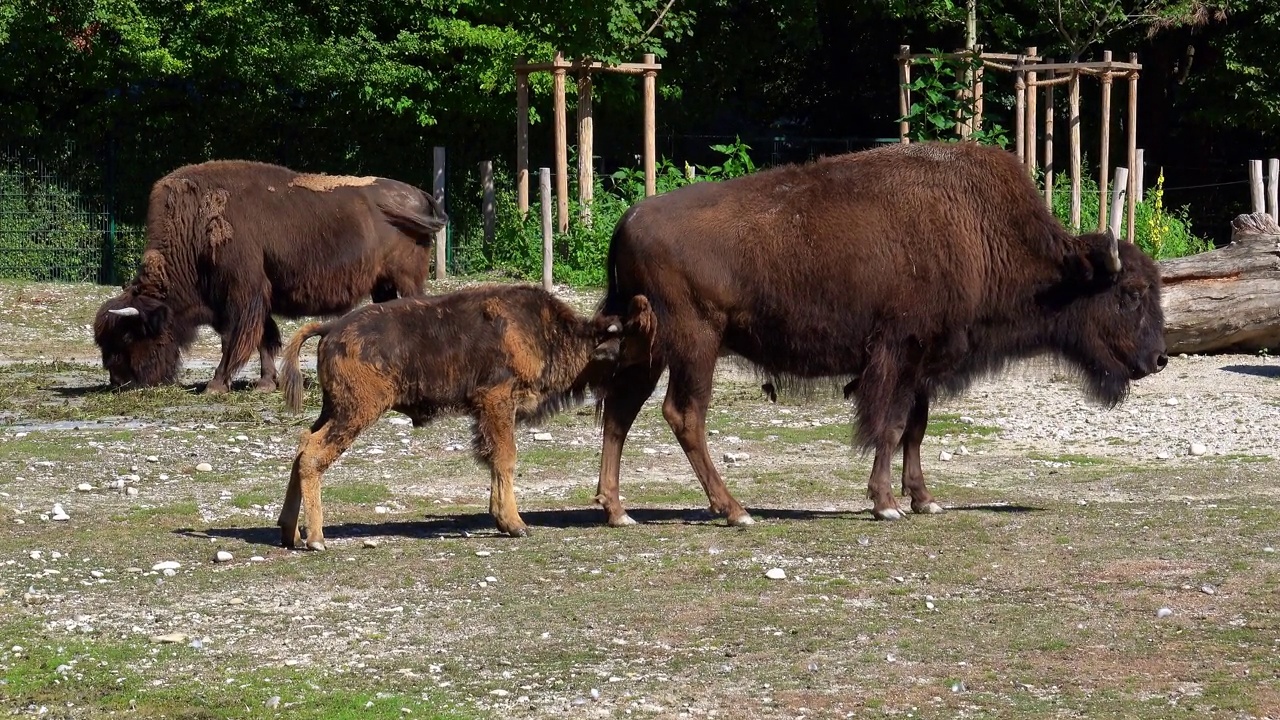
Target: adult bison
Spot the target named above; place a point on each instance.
(230, 242)
(906, 271)
(502, 354)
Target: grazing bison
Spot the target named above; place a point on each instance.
(905, 271)
(503, 354)
(230, 242)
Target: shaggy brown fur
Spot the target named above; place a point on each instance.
(905, 272)
(503, 354)
(231, 242)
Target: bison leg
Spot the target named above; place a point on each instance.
(685, 408)
(912, 473)
(267, 350)
(623, 398)
(496, 444)
(330, 436)
(884, 402)
(243, 337)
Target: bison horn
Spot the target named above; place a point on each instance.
(1113, 254)
(126, 312)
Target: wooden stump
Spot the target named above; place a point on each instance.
(1226, 300)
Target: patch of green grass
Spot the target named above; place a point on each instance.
(244, 501)
(951, 424)
(1244, 458)
(99, 676)
(357, 493)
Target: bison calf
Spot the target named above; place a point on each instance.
(503, 354)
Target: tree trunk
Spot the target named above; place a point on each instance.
(1226, 300)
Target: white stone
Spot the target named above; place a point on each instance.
(732, 457)
(499, 692)
(204, 467)
(170, 572)
(483, 553)
(370, 543)
(491, 579)
(1171, 401)
(1163, 455)
(131, 491)
(945, 456)
(167, 565)
(36, 554)
(223, 556)
(257, 558)
(1163, 612)
(382, 509)
(153, 458)
(1208, 589)
(543, 436)
(1198, 449)
(776, 574)
(84, 487)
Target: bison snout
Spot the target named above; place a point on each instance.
(1161, 361)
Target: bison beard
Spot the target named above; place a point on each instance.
(503, 355)
(905, 271)
(229, 243)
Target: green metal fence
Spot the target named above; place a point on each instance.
(50, 230)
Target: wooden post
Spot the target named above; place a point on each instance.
(1273, 188)
(1133, 147)
(544, 189)
(689, 172)
(1073, 123)
(1255, 186)
(522, 140)
(1104, 156)
(586, 179)
(1118, 191)
(1140, 168)
(904, 95)
(562, 145)
(1048, 140)
(963, 92)
(977, 90)
(1019, 111)
(1029, 140)
(488, 209)
(437, 189)
(650, 128)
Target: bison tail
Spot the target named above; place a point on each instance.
(290, 374)
(420, 222)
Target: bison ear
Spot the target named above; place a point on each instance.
(1096, 256)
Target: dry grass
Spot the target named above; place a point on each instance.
(1044, 588)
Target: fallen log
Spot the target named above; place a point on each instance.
(1226, 300)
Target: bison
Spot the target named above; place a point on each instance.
(904, 272)
(230, 242)
(502, 354)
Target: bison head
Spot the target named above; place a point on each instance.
(136, 335)
(1112, 320)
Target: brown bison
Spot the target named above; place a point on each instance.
(502, 354)
(905, 271)
(230, 242)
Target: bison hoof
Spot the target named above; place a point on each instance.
(518, 532)
(215, 389)
(742, 520)
(888, 514)
(622, 520)
(932, 508)
(265, 386)
(317, 545)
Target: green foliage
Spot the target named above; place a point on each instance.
(1160, 232)
(941, 100)
(579, 255)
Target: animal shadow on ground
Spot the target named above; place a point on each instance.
(193, 388)
(480, 524)
(1264, 371)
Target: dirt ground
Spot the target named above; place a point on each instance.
(1092, 562)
